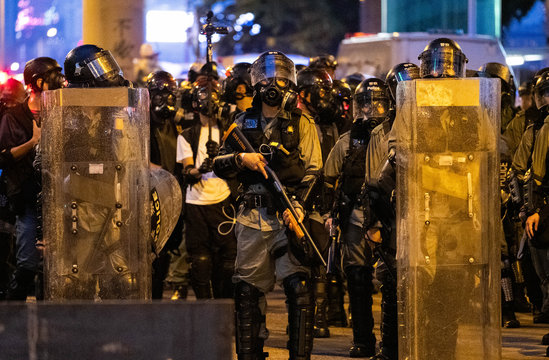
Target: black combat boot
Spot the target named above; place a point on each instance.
(321, 301)
(336, 315)
(201, 275)
(301, 307)
(508, 318)
(22, 280)
(249, 346)
(389, 324)
(359, 280)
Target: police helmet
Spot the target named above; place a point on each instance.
(237, 75)
(353, 80)
(342, 96)
(400, 72)
(526, 88)
(272, 64)
(317, 86)
(497, 70)
(162, 87)
(91, 66)
(209, 69)
(442, 57)
(44, 68)
(371, 101)
(323, 62)
(161, 80)
(541, 90)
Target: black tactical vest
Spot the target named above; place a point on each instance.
(289, 168)
(354, 168)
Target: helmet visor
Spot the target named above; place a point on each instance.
(272, 66)
(370, 107)
(442, 64)
(407, 74)
(104, 66)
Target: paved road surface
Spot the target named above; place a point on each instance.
(518, 344)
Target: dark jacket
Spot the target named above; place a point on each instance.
(15, 129)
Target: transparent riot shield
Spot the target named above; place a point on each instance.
(166, 202)
(449, 230)
(96, 209)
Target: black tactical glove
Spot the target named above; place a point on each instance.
(212, 148)
(206, 166)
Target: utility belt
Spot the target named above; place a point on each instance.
(317, 203)
(256, 201)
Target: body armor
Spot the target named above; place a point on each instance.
(289, 168)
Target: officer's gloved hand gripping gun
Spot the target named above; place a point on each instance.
(238, 142)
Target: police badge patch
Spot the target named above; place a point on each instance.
(250, 123)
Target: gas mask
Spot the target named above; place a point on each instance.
(323, 104)
(372, 111)
(206, 101)
(277, 92)
(54, 78)
(163, 104)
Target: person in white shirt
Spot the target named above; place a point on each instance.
(210, 239)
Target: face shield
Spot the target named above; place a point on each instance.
(442, 63)
(368, 107)
(103, 67)
(405, 74)
(273, 65)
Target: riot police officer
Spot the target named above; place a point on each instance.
(502, 72)
(163, 143)
(379, 218)
(443, 58)
(352, 80)
(314, 87)
(263, 245)
(105, 274)
(536, 192)
(237, 88)
(526, 115)
(511, 225)
(162, 88)
(343, 98)
(91, 66)
(347, 162)
(520, 137)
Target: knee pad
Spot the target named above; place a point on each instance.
(298, 289)
(201, 268)
(246, 295)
